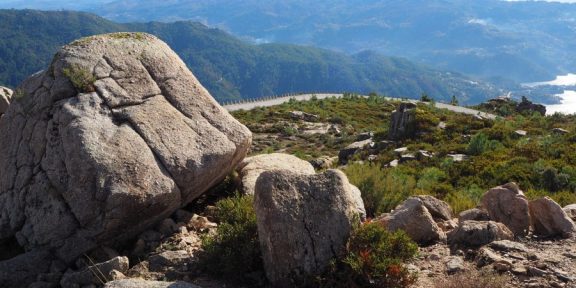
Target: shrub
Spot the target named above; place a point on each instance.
(382, 189)
(374, 258)
(233, 253)
(81, 78)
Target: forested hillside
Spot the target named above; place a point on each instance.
(231, 68)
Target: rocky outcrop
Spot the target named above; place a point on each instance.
(251, 167)
(526, 106)
(299, 115)
(477, 233)
(415, 219)
(22, 270)
(5, 97)
(112, 138)
(548, 219)
(473, 214)
(345, 154)
(95, 274)
(402, 122)
(303, 221)
(507, 204)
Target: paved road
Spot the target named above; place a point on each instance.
(303, 97)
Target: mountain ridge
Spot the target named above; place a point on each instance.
(229, 67)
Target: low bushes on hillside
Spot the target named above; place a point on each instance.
(375, 259)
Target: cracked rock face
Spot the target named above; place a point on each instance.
(114, 136)
(303, 221)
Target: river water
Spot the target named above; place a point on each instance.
(568, 98)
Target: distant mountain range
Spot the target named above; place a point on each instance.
(523, 41)
(231, 68)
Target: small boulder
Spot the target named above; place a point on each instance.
(357, 196)
(413, 217)
(475, 214)
(454, 264)
(549, 219)
(21, 271)
(402, 122)
(303, 222)
(251, 168)
(299, 115)
(439, 209)
(364, 136)
(345, 154)
(508, 246)
(570, 211)
(458, 157)
(478, 233)
(507, 204)
(93, 275)
(323, 162)
(560, 131)
(407, 157)
(486, 256)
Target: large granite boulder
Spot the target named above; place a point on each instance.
(415, 219)
(548, 219)
(112, 138)
(5, 97)
(303, 221)
(250, 168)
(507, 204)
(472, 233)
(402, 122)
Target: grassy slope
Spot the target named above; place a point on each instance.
(543, 163)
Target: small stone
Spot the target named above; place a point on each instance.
(507, 246)
(454, 264)
(564, 277)
(486, 256)
(200, 223)
(519, 270)
(556, 285)
(533, 271)
(116, 275)
(434, 257)
(541, 265)
(502, 266)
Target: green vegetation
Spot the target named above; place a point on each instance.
(542, 162)
(233, 253)
(352, 114)
(374, 258)
(228, 67)
(81, 78)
